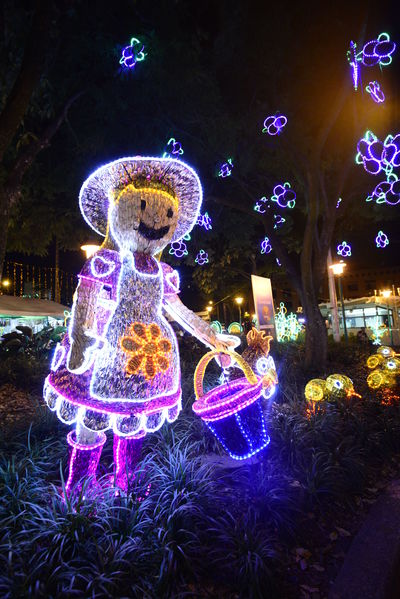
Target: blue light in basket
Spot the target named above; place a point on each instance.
(250, 441)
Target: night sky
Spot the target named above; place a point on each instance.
(264, 56)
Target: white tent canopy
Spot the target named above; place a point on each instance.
(22, 306)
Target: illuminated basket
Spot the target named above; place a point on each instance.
(233, 411)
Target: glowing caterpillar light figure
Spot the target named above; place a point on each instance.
(274, 124)
(344, 249)
(174, 149)
(202, 258)
(266, 246)
(374, 89)
(226, 169)
(203, 220)
(178, 249)
(132, 54)
(381, 240)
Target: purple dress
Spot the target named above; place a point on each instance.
(132, 382)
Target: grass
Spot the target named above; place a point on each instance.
(203, 530)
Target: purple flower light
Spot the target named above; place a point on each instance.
(202, 258)
(266, 246)
(279, 220)
(226, 169)
(344, 249)
(374, 89)
(274, 124)
(261, 205)
(178, 249)
(381, 240)
(378, 51)
(174, 148)
(132, 54)
(203, 220)
(284, 196)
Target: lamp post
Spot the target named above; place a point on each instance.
(209, 310)
(239, 301)
(333, 300)
(386, 293)
(338, 269)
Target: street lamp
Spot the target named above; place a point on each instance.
(5, 283)
(89, 249)
(338, 269)
(386, 293)
(239, 301)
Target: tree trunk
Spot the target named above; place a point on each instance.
(57, 297)
(4, 216)
(316, 335)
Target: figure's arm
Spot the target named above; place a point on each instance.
(195, 325)
(81, 330)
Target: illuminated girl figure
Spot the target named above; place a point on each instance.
(118, 366)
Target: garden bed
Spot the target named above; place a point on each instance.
(276, 527)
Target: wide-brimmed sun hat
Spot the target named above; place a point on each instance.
(168, 174)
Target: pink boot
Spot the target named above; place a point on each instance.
(83, 462)
(126, 457)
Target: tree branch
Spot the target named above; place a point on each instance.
(29, 74)
(26, 157)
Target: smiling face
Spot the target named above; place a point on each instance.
(143, 220)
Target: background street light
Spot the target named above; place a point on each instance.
(239, 301)
(89, 249)
(338, 269)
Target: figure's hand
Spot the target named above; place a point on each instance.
(226, 342)
(80, 354)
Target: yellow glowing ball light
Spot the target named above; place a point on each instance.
(385, 366)
(336, 386)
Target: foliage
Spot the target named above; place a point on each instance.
(218, 530)
(25, 356)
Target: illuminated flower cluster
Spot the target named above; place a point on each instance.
(378, 52)
(226, 169)
(344, 249)
(381, 240)
(284, 196)
(178, 249)
(202, 258)
(146, 349)
(274, 124)
(374, 89)
(174, 148)
(132, 54)
(266, 246)
(203, 220)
